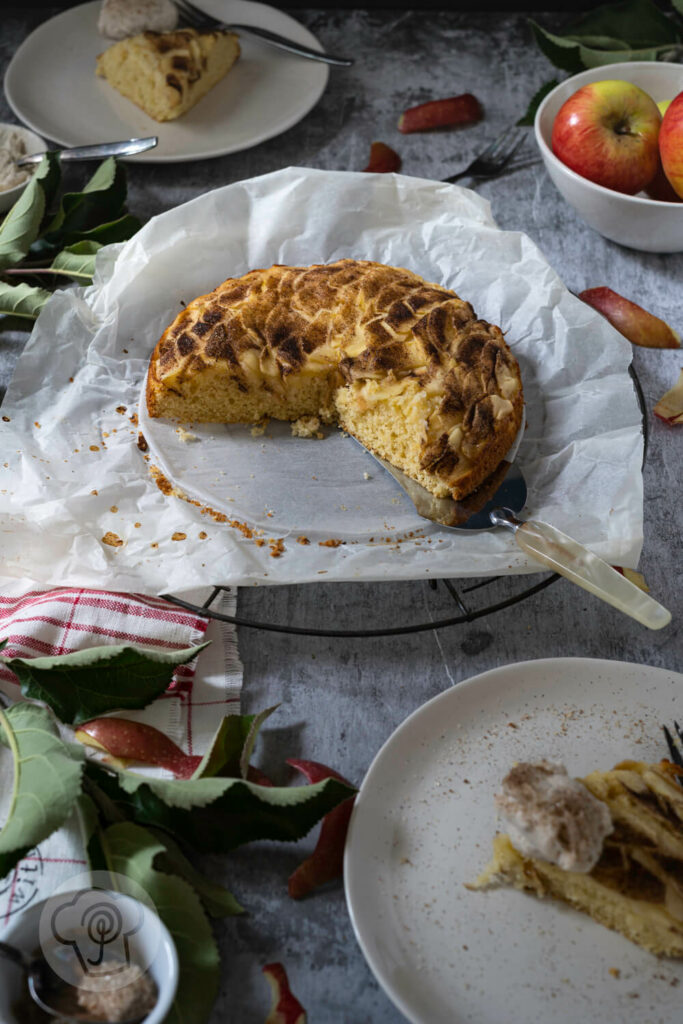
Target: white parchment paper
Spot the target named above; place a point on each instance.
(73, 472)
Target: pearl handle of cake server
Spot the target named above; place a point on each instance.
(566, 556)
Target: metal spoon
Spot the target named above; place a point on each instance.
(495, 503)
(96, 152)
(44, 987)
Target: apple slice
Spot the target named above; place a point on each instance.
(669, 407)
(327, 860)
(383, 159)
(126, 740)
(636, 578)
(463, 109)
(285, 1007)
(634, 322)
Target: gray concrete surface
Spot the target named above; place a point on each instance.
(342, 698)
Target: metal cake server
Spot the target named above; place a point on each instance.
(495, 503)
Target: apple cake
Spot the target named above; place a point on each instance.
(634, 883)
(166, 73)
(402, 365)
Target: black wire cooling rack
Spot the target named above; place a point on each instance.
(465, 593)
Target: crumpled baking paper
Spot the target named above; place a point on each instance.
(79, 504)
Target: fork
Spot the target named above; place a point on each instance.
(493, 159)
(204, 22)
(675, 748)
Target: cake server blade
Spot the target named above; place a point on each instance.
(495, 503)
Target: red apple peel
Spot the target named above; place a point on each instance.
(631, 320)
(127, 740)
(327, 860)
(383, 159)
(285, 1007)
(669, 408)
(258, 777)
(463, 109)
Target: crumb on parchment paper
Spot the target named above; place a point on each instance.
(112, 539)
(307, 426)
(259, 428)
(185, 435)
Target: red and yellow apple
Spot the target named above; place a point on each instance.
(671, 143)
(608, 132)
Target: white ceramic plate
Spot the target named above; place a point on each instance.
(422, 826)
(50, 84)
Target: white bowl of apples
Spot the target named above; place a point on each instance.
(595, 127)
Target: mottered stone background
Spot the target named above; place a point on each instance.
(342, 698)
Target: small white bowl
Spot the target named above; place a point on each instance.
(635, 221)
(34, 144)
(152, 938)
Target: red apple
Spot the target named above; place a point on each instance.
(671, 143)
(608, 132)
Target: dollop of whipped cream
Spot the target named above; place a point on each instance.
(121, 18)
(552, 816)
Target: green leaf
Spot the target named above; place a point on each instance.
(85, 684)
(47, 781)
(133, 851)
(252, 735)
(535, 102)
(22, 224)
(640, 23)
(218, 901)
(103, 198)
(119, 230)
(561, 52)
(216, 815)
(78, 260)
(24, 300)
(678, 5)
(225, 750)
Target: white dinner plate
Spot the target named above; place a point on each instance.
(51, 86)
(422, 827)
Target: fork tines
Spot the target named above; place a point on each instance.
(675, 748)
(196, 18)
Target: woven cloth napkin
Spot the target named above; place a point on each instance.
(39, 622)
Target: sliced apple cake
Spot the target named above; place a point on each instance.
(166, 73)
(633, 882)
(403, 365)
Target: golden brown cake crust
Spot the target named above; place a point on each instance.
(371, 337)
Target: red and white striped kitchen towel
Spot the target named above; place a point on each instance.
(38, 621)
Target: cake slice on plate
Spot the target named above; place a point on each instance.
(613, 851)
(167, 73)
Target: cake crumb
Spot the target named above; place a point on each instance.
(302, 540)
(178, 535)
(259, 428)
(307, 426)
(112, 539)
(94, 447)
(121, 409)
(95, 493)
(185, 435)
(331, 543)
(366, 476)
(114, 508)
(615, 972)
(203, 535)
(142, 442)
(276, 547)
